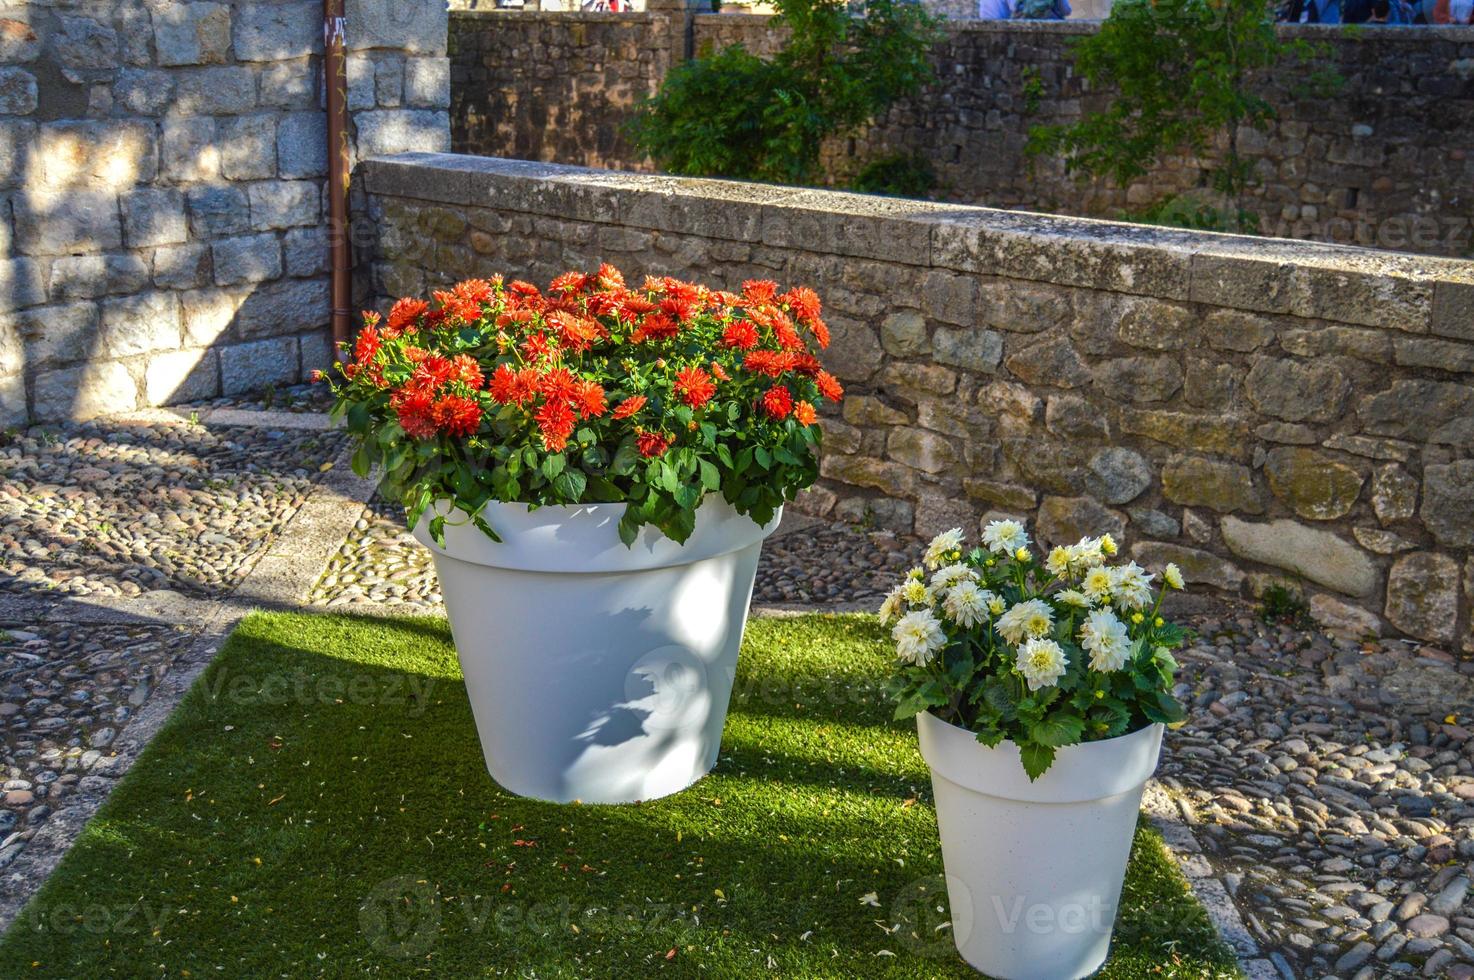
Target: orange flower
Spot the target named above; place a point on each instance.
(512, 387)
(777, 402)
(759, 290)
(465, 370)
(820, 331)
(803, 301)
(629, 406)
(416, 413)
(829, 386)
(805, 414)
(769, 362)
(366, 346)
(655, 326)
(694, 386)
(719, 372)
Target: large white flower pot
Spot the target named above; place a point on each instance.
(597, 672)
(1034, 870)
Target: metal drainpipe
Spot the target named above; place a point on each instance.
(335, 75)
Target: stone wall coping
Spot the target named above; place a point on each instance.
(1348, 284)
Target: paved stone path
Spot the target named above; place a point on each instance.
(129, 547)
(1321, 800)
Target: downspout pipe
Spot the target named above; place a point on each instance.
(335, 77)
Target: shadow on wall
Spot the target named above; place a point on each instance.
(163, 194)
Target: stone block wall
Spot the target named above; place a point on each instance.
(1386, 161)
(162, 177)
(544, 85)
(1254, 411)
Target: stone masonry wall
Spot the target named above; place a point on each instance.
(162, 172)
(1388, 160)
(1251, 410)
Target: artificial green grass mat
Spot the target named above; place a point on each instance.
(318, 806)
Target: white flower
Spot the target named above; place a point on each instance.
(1004, 537)
(1042, 662)
(1097, 582)
(918, 636)
(1172, 575)
(1105, 637)
(1073, 597)
(967, 604)
(950, 575)
(945, 547)
(1058, 561)
(915, 573)
(996, 605)
(1107, 544)
(1032, 617)
(915, 592)
(1131, 585)
(1088, 552)
(891, 607)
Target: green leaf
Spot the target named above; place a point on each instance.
(437, 530)
(570, 485)
(710, 478)
(1036, 758)
(1058, 730)
(553, 465)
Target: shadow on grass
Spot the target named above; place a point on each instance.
(335, 818)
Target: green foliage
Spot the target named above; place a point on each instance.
(1197, 214)
(1182, 74)
(1282, 605)
(897, 175)
(733, 114)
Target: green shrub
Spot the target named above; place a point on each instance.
(897, 175)
(733, 114)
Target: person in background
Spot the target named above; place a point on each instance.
(1023, 9)
(1456, 12)
(1390, 12)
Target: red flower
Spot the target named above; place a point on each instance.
(694, 386)
(655, 326)
(610, 277)
(652, 443)
(538, 346)
(777, 402)
(740, 334)
(366, 346)
(588, 400)
(803, 301)
(467, 371)
(759, 290)
(805, 414)
(629, 406)
(719, 372)
(555, 420)
(558, 385)
(820, 331)
(569, 282)
(404, 314)
(829, 386)
(457, 415)
(510, 386)
(416, 413)
(769, 362)
(519, 289)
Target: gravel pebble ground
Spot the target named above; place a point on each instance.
(123, 510)
(66, 691)
(1330, 782)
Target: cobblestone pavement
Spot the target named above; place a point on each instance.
(1328, 782)
(122, 510)
(169, 510)
(65, 693)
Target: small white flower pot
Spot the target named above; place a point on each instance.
(1034, 870)
(597, 672)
